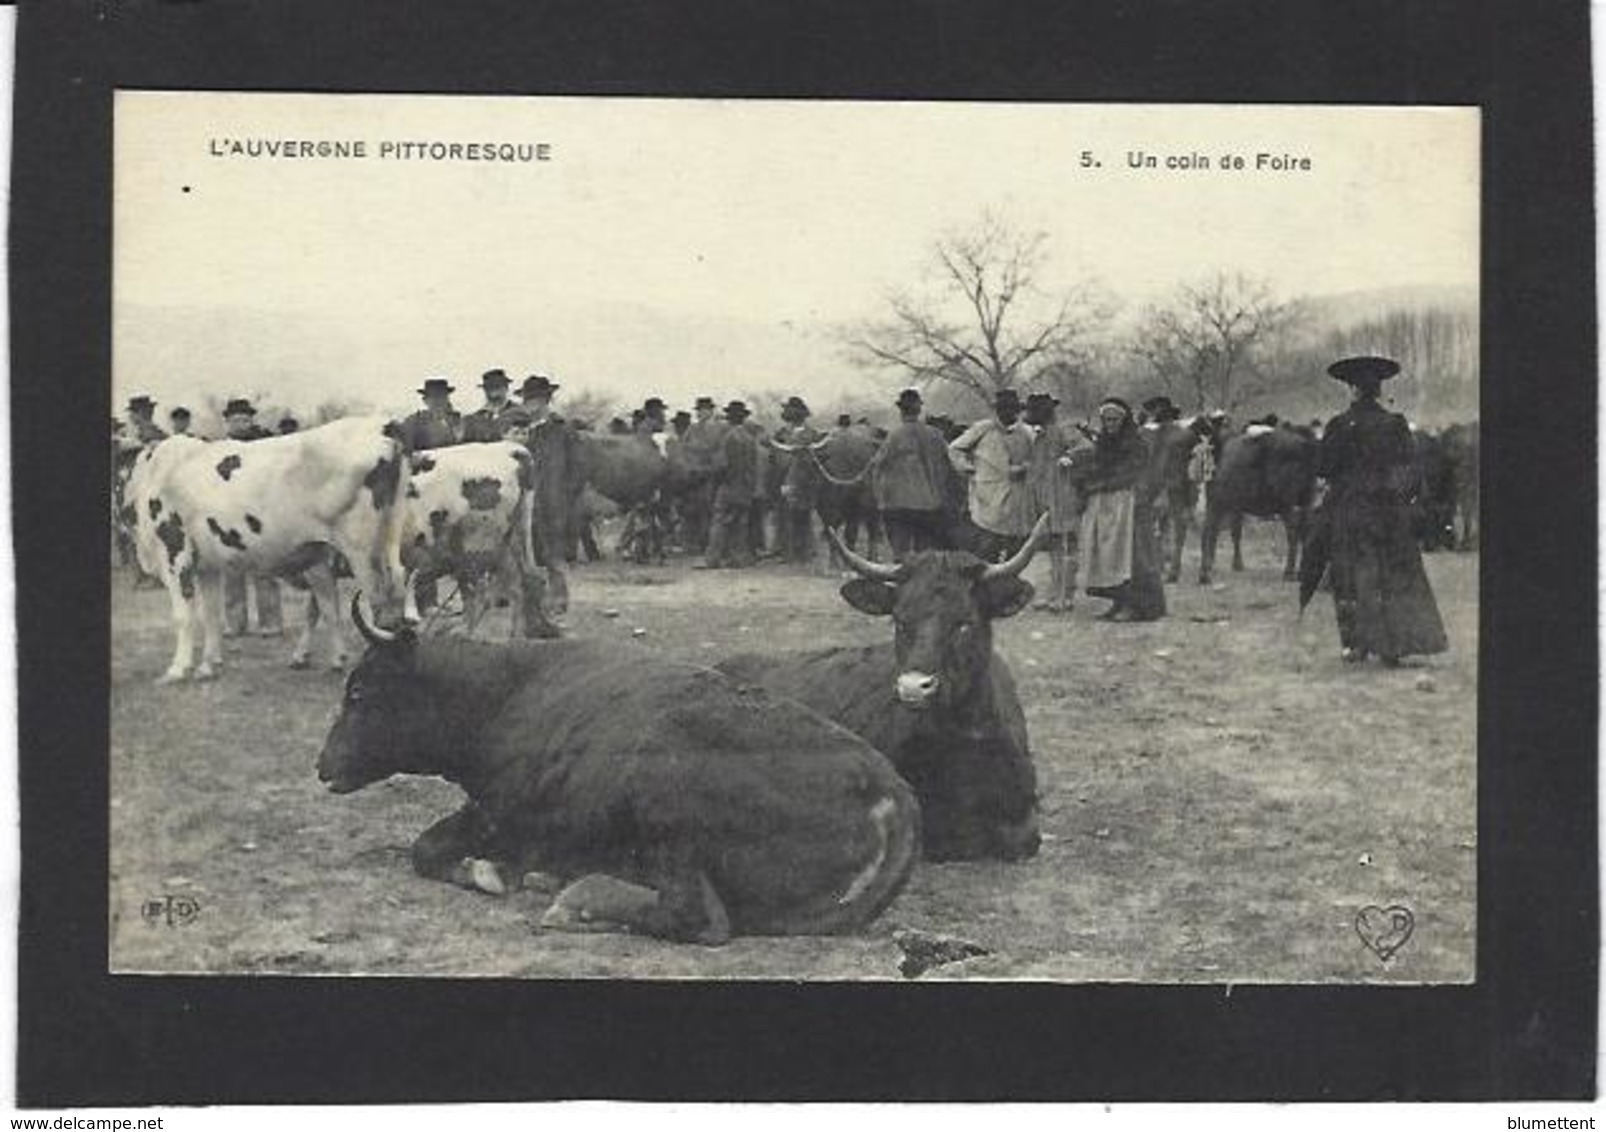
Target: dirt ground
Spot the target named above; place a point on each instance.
(1220, 797)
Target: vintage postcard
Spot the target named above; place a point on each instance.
(644, 538)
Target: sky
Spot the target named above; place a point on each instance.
(682, 247)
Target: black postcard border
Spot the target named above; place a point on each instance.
(1526, 1029)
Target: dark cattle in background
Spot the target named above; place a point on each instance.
(631, 472)
(1435, 493)
(848, 506)
(936, 699)
(1269, 473)
(1460, 444)
(719, 808)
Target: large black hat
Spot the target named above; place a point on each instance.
(909, 399)
(239, 406)
(436, 385)
(654, 404)
(704, 403)
(737, 409)
(135, 404)
(682, 417)
(1161, 408)
(843, 420)
(494, 379)
(1363, 370)
(1006, 399)
(179, 412)
(796, 405)
(1044, 399)
(536, 385)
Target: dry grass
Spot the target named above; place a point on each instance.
(1220, 797)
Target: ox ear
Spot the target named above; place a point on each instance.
(869, 596)
(1005, 597)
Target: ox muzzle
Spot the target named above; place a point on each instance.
(917, 690)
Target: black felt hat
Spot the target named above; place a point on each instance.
(537, 384)
(239, 406)
(1006, 399)
(704, 403)
(436, 385)
(737, 409)
(1161, 408)
(909, 399)
(135, 404)
(494, 378)
(178, 412)
(654, 404)
(1363, 370)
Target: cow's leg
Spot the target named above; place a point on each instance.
(1238, 542)
(681, 905)
(300, 656)
(323, 609)
(1208, 533)
(210, 597)
(457, 850)
(1294, 532)
(1182, 518)
(184, 617)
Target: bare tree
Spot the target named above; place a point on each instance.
(1213, 344)
(982, 323)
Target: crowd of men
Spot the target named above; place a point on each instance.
(744, 492)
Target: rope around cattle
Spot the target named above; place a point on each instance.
(855, 481)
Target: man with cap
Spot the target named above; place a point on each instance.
(1381, 593)
(490, 421)
(128, 442)
(1056, 449)
(240, 423)
(437, 424)
(735, 485)
(910, 473)
(559, 481)
(995, 454)
(704, 440)
(797, 481)
(179, 418)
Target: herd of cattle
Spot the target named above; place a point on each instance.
(770, 793)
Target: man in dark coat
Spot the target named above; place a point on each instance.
(491, 420)
(1381, 593)
(705, 436)
(559, 480)
(799, 482)
(735, 486)
(437, 424)
(911, 473)
(240, 423)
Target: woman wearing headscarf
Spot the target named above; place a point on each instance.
(1381, 593)
(1117, 527)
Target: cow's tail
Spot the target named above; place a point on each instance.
(894, 819)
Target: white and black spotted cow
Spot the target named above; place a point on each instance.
(271, 506)
(469, 510)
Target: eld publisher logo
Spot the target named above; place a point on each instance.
(174, 911)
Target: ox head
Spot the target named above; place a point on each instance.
(977, 787)
(388, 723)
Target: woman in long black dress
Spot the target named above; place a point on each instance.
(1381, 593)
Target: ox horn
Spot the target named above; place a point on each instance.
(370, 633)
(876, 571)
(1022, 557)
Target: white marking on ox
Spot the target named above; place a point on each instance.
(880, 814)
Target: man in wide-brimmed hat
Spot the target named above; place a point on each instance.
(735, 477)
(559, 481)
(1175, 495)
(240, 421)
(912, 478)
(1056, 447)
(491, 420)
(995, 454)
(141, 414)
(437, 424)
(1364, 534)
